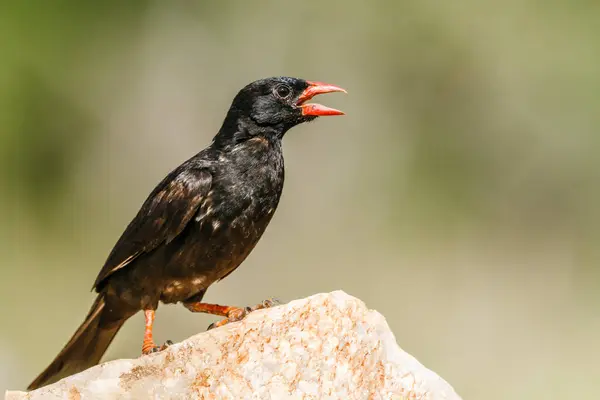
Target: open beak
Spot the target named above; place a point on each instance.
(313, 89)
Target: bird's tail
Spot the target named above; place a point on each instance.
(84, 350)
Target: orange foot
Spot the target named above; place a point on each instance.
(233, 314)
(237, 314)
(148, 345)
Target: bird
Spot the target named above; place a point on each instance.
(198, 224)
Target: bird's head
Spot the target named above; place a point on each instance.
(274, 105)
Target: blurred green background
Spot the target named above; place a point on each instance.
(459, 196)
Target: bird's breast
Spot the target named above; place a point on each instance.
(231, 219)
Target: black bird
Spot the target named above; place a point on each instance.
(198, 224)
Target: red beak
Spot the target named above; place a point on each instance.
(313, 89)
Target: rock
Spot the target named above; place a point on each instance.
(327, 346)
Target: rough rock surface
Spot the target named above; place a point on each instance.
(328, 346)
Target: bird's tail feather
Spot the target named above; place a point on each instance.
(84, 350)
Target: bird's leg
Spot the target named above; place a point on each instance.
(148, 345)
(232, 314)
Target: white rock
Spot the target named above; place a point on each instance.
(327, 346)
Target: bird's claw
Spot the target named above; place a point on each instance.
(237, 314)
(272, 302)
(156, 349)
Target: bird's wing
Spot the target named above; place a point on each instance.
(163, 216)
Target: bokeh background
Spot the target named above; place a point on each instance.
(459, 196)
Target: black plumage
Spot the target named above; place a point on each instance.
(198, 224)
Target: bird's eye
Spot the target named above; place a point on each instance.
(282, 91)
